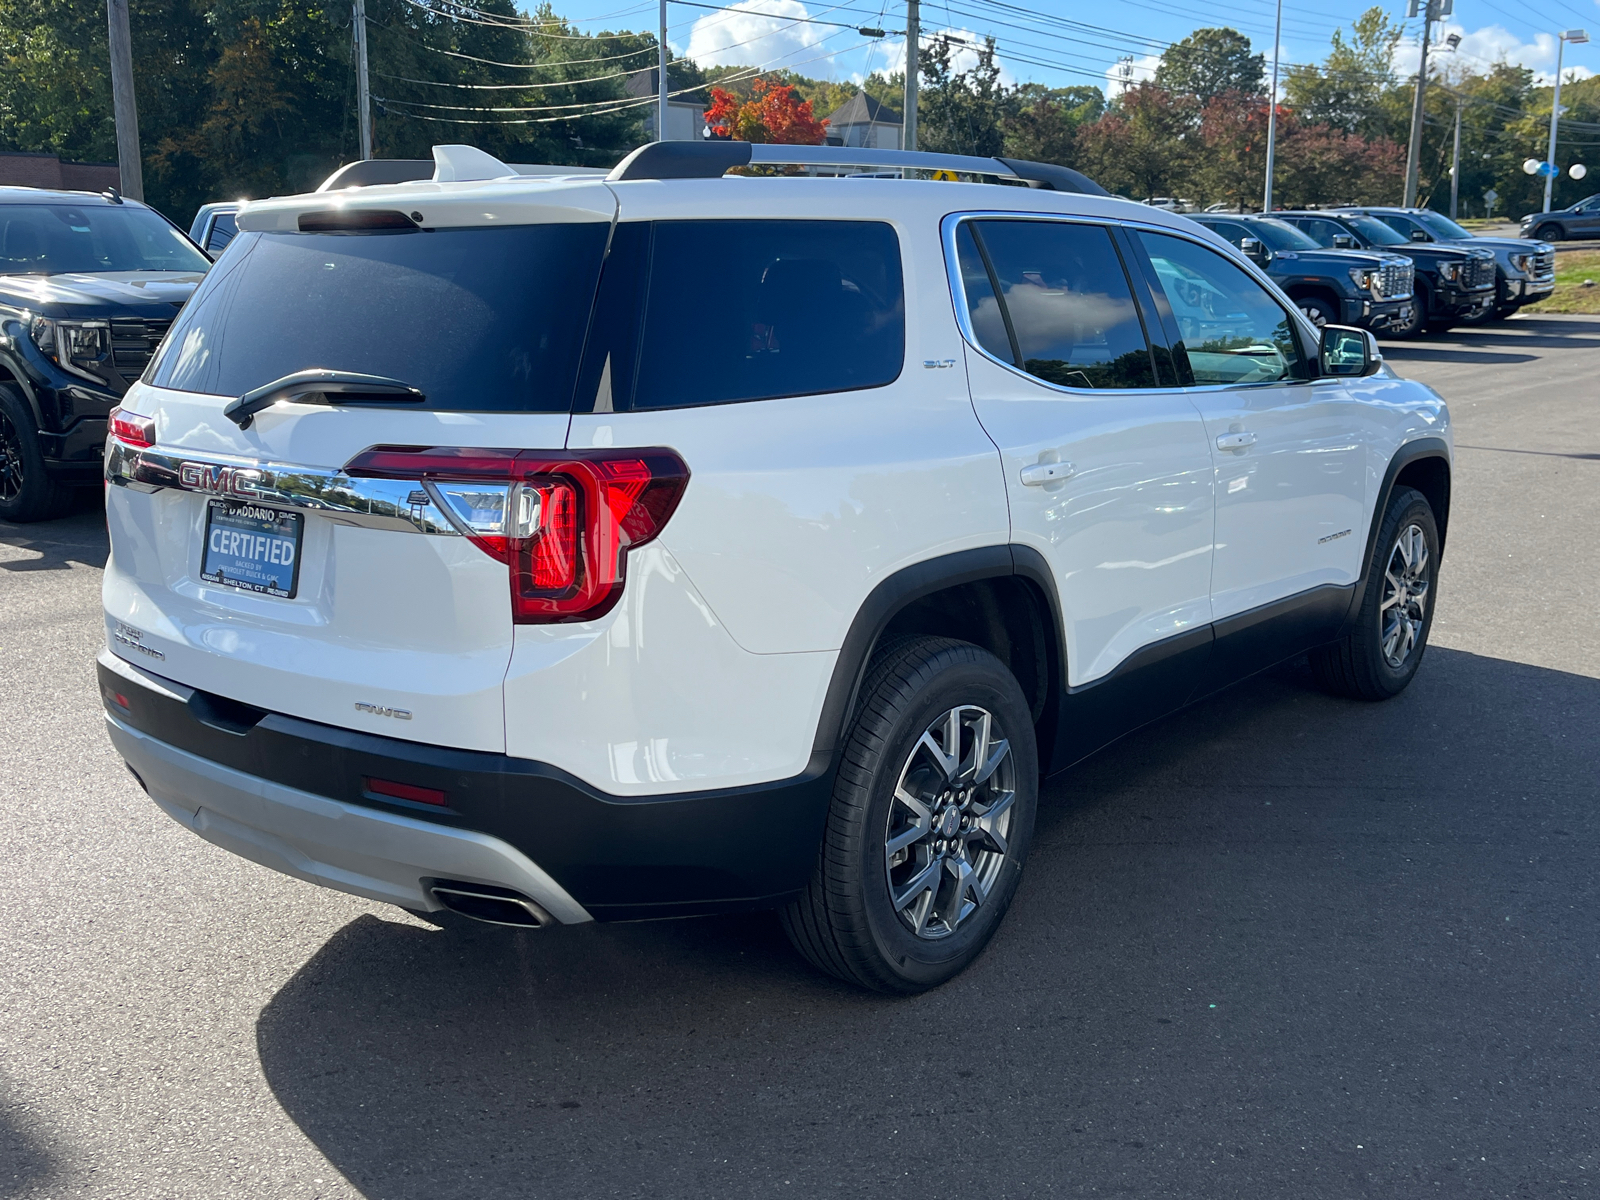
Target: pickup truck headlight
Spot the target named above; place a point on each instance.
(1522, 262)
(1365, 278)
(76, 346)
(1450, 272)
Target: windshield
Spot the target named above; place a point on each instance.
(480, 320)
(1376, 232)
(1440, 227)
(59, 239)
(1280, 235)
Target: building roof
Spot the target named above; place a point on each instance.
(643, 83)
(862, 109)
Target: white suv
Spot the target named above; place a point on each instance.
(603, 547)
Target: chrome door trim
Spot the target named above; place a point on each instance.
(958, 292)
(400, 505)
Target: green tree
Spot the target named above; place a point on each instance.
(1209, 63)
(1043, 123)
(1350, 89)
(960, 112)
(1144, 145)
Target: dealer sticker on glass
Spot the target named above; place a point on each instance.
(250, 547)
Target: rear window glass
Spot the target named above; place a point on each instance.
(484, 320)
(754, 310)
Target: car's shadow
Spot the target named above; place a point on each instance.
(1276, 940)
(1521, 333)
(25, 1165)
(77, 539)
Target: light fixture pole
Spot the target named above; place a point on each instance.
(913, 71)
(661, 77)
(1455, 159)
(1577, 37)
(1431, 11)
(130, 169)
(1272, 110)
(358, 30)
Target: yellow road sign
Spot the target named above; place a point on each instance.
(947, 176)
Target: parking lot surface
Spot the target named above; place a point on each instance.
(1276, 946)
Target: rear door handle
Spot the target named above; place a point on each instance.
(1039, 474)
(1235, 441)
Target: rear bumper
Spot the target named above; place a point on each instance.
(294, 795)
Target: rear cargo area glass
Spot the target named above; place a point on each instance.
(481, 320)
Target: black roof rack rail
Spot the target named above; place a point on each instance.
(711, 159)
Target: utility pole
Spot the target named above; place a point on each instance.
(1431, 10)
(661, 77)
(358, 27)
(1272, 110)
(126, 112)
(1455, 159)
(913, 70)
(1577, 37)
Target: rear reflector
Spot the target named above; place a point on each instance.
(406, 791)
(131, 429)
(562, 523)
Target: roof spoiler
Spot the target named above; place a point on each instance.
(708, 160)
(448, 164)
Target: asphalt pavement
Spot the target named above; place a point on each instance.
(1277, 946)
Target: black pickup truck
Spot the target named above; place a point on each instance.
(1453, 284)
(1332, 287)
(88, 286)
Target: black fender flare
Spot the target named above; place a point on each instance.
(904, 587)
(19, 373)
(1408, 453)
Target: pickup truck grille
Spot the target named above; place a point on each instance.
(133, 341)
(1395, 280)
(1478, 272)
(1544, 265)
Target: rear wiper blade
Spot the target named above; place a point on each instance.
(334, 387)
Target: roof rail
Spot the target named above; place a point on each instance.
(708, 160)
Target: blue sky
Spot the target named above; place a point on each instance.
(1077, 44)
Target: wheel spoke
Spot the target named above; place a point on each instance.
(924, 881)
(997, 755)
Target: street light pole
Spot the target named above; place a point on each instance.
(913, 70)
(1455, 160)
(1577, 37)
(130, 171)
(358, 26)
(1431, 9)
(661, 77)
(1272, 110)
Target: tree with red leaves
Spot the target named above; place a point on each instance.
(773, 114)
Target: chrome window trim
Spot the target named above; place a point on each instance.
(949, 226)
(389, 504)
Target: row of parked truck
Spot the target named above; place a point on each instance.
(1396, 271)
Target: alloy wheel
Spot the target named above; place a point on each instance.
(10, 459)
(946, 836)
(1405, 596)
(1314, 313)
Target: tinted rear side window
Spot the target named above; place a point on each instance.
(1070, 307)
(484, 320)
(755, 310)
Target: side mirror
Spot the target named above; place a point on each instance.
(1348, 351)
(1252, 249)
(1343, 241)
(1420, 235)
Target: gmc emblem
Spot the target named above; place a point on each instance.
(220, 481)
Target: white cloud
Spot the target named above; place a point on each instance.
(755, 32)
(1120, 75)
(1484, 47)
(890, 55)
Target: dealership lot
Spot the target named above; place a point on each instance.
(1279, 945)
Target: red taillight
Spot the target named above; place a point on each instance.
(562, 523)
(406, 791)
(131, 428)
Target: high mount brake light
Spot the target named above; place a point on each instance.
(563, 522)
(130, 428)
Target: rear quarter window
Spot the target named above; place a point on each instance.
(485, 320)
(754, 310)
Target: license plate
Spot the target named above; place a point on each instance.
(253, 548)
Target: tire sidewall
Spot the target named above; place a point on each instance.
(37, 489)
(920, 962)
(1406, 509)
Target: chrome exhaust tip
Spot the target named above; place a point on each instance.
(488, 903)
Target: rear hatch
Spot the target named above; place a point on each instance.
(260, 557)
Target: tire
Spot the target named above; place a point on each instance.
(1549, 232)
(1379, 657)
(26, 492)
(1319, 310)
(1419, 317)
(920, 694)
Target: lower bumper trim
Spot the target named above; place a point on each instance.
(379, 855)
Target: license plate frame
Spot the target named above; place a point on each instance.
(250, 563)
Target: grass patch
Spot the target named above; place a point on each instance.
(1573, 267)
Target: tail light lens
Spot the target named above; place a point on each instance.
(131, 428)
(563, 523)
